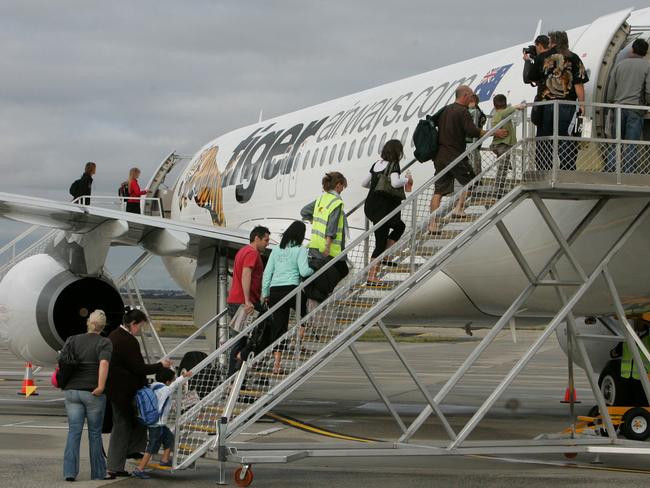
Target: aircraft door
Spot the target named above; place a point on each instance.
(597, 47)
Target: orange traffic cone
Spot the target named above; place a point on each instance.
(568, 395)
(28, 388)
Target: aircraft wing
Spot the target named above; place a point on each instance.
(160, 236)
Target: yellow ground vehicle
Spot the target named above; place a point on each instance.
(631, 422)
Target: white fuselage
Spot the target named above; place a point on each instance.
(264, 173)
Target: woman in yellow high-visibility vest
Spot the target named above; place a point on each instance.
(329, 224)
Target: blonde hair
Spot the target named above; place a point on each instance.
(134, 173)
(96, 321)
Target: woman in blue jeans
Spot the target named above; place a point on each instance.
(84, 397)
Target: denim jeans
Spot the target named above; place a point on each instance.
(631, 130)
(79, 406)
(567, 150)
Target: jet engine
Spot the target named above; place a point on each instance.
(42, 304)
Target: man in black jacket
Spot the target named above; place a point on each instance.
(560, 75)
(541, 46)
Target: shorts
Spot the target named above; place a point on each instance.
(159, 434)
(462, 172)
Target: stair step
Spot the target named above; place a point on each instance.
(200, 428)
(185, 450)
(470, 217)
(359, 303)
(217, 413)
(444, 235)
(396, 269)
(481, 202)
(384, 286)
(424, 252)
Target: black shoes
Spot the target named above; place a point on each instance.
(134, 455)
(115, 474)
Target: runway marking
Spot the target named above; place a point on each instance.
(563, 464)
(264, 432)
(16, 423)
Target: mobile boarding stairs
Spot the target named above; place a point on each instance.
(210, 412)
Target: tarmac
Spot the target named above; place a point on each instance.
(340, 399)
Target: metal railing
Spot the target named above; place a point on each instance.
(10, 247)
(337, 315)
(38, 247)
(615, 151)
(109, 201)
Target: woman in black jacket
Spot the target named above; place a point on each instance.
(378, 205)
(127, 374)
(83, 186)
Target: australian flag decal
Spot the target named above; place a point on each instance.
(489, 83)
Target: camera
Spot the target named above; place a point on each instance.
(530, 50)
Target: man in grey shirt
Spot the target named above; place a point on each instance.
(629, 84)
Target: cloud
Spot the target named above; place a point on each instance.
(124, 83)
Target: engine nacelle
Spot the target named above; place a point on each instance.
(42, 303)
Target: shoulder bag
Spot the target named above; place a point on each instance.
(384, 186)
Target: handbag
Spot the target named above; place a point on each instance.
(384, 186)
(67, 365)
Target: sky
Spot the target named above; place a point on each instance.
(124, 83)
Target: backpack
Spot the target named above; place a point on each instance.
(74, 188)
(123, 190)
(147, 405)
(425, 137)
(67, 365)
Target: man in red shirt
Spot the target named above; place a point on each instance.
(246, 286)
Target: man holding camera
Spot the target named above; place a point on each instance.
(560, 75)
(539, 46)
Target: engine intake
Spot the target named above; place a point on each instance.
(42, 304)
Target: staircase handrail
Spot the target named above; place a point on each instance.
(194, 335)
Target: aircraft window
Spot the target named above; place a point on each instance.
(351, 153)
(322, 158)
(371, 146)
(382, 142)
(405, 135)
(363, 143)
(332, 154)
(294, 162)
(313, 161)
(342, 152)
(306, 160)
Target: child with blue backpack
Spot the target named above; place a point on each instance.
(159, 433)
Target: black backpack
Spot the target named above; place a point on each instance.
(425, 137)
(74, 188)
(68, 363)
(123, 190)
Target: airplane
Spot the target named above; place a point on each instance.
(264, 173)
